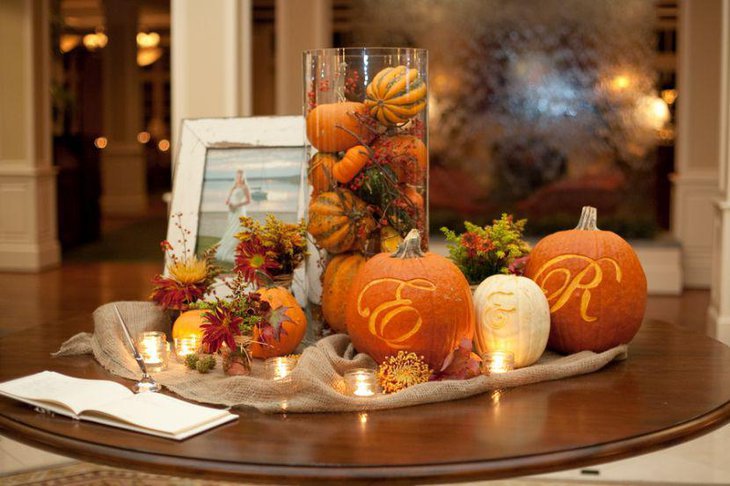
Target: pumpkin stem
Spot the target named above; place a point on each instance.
(588, 219)
(410, 247)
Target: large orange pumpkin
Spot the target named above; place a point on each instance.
(395, 95)
(405, 154)
(294, 324)
(334, 127)
(188, 324)
(410, 301)
(335, 287)
(320, 172)
(594, 284)
(339, 221)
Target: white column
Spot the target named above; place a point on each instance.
(719, 312)
(695, 182)
(300, 25)
(28, 234)
(211, 60)
(123, 165)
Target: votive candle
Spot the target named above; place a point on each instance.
(186, 346)
(153, 347)
(361, 382)
(281, 367)
(497, 362)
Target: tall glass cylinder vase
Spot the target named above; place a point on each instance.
(366, 112)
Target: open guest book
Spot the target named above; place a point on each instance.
(110, 403)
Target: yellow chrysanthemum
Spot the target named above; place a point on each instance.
(189, 270)
(401, 371)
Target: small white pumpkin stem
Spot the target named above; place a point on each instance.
(410, 247)
(588, 219)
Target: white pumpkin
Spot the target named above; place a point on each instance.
(513, 315)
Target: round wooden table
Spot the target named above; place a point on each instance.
(674, 386)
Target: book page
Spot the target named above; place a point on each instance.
(75, 393)
(155, 411)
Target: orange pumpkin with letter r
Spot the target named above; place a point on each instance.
(594, 284)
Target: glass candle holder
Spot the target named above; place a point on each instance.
(497, 362)
(154, 349)
(186, 346)
(361, 382)
(280, 368)
(365, 109)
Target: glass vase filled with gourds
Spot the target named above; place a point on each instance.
(366, 113)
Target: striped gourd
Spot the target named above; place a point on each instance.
(335, 286)
(339, 220)
(395, 95)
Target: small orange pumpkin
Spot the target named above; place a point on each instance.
(188, 324)
(410, 301)
(320, 172)
(405, 154)
(594, 284)
(412, 194)
(293, 324)
(348, 166)
(395, 95)
(335, 286)
(335, 127)
(339, 220)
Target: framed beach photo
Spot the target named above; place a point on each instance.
(233, 167)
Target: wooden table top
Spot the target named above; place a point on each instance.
(674, 386)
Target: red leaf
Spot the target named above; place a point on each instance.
(461, 364)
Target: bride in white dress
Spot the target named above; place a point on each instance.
(238, 198)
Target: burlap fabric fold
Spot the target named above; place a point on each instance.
(316, 384)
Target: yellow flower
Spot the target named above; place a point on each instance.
(401, 371)
(189, 270)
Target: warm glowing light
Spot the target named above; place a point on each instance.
(148, 55)
(362, 382)
(69, 42)
(281, 367)
(163, 145)
(620, 82)
(143, 137)
(97, 40)
(669, 96)
(666, 134)
(151, 39)
(363, 417)
(497, 362)
(652, 112)
(186, 346)
(154, 349)
(100, 142)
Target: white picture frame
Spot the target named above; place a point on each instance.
(215, 146)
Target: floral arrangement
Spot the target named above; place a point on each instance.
(269, 250)
(404, 369)
(496, 248)
(189, 277)
(264, 252)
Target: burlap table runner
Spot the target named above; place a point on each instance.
(316, 383)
